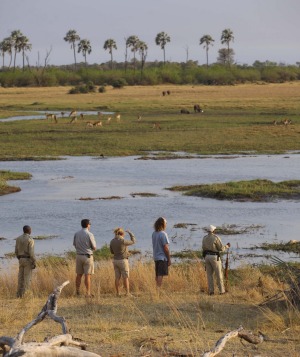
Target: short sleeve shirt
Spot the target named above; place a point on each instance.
(84, 242)
(159, 240)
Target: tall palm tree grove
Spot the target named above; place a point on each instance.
(72, 37)
(110, 45)
(161, 40)
(24, 45)
(85, 47)
(133, 42)
(226, 38)
(207, 40)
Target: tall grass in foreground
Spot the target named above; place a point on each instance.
(181, 317)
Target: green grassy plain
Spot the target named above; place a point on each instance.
(236, 119)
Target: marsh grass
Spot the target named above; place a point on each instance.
(236, 119)
(181, 317)
(253, 190)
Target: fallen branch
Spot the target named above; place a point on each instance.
(246, 335)
(56, 346)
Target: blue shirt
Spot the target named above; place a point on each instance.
(159, 240)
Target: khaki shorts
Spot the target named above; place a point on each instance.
(121, 268)
(84, 265)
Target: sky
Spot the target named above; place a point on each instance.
(263, 29)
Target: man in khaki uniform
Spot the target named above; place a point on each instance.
(24, 250)
(212, 246)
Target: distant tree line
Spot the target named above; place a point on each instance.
(136, 71)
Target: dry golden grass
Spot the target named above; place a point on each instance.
(284, 96)
(181, 318)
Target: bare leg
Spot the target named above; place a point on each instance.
(87, 283)
(117, 284)
(126, 284)
(78, 282)
(159, 280)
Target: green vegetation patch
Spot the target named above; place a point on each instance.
(9, 175)
(253, 190)
(289, 247)
(144, 194)
(188, 254)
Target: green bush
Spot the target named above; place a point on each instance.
(102, 89)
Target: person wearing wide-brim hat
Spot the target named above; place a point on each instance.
(212, 247)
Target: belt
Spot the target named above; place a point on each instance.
(212, 253)
(87, 255)
(23, 256)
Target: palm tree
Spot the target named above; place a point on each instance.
(143, 48)
(72, 37)
(133, 42)
(161, 40)
(85, 47)
(207, 40)
(24, 46)
(6, 46)
(109, 45)
(226, 38)
(16, 37)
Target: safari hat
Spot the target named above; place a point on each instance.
(211, 228)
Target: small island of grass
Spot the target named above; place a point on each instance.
(253, 190)
(8, 175)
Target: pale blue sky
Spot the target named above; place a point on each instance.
(263, 29)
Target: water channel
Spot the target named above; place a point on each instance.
(51, 202)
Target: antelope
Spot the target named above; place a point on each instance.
(89, 124)
(98, 123)
(73, 120)
(108, 120)
(81, 116)
(51, 116)
(274, 122)
(139, 117)
(118, 117)
(73, 113)
(156, 126)
(62, 114)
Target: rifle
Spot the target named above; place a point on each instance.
(226, 270)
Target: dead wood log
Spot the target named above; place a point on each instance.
(220, 344)
(58, 346)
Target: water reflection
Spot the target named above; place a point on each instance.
(51, 204)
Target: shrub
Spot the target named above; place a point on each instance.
(102, 89)
(119, 83)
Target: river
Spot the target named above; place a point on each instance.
(50, 202)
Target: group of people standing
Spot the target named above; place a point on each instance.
(85, 244)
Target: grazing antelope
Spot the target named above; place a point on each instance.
(139, 117)
(108, 120)
(156, 126)
(274, 122)
(118, 117)
(168, 92)
(73, 120)
(164, 93)
(98, 123)
(52, 116)
(81, 116)
(62, 114)
(89, 124)
(73, 113)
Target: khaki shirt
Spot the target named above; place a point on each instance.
(25, 246)
(118, 246)
(212, 243)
